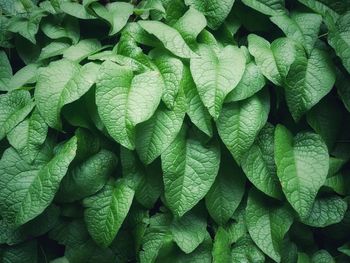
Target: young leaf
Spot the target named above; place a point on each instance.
(302, 166)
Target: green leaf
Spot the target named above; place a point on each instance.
(29, 189)
(326, 119)
(116, 14)
(252, 81)
(215, 76)
(170, 37)
(339, 39)
(76, 10)
(267, 224)
(244, 250)
(53, 49)
(106, 211)
(226, 193)
(326, 211)
(190, 25)
(156, 134)
(29, 136)
(26, 75)
(259, 164)
(88, 177)
(342, 83)
(321, 8)
(302, 166)
(196, 110)
(82, 49)
(308, 81)
(171, 70)
(26, 252)
(267, 7)
(216, 11)
(221, 248)
(273, 59)
(322, 256)
(15, 106)
(301, 27)
(56, 28)
(240, 122)
(189, 170)
(189, 231)
(68, 81)
(5, 71)
(124, 100)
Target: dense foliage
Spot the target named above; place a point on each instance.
(175, 131)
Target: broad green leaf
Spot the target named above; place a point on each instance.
(336, 182)
(26, 75)
(321, 8)
(53, 49)
(326, 211)
(88, 177)
(190, 230)
(82, 49)
(308, 81)
(259, 166)
(156, 134)
(267, 224)
(106, 211)
(190, 25)
(170, 37)
(302, 166)
(196, 110)
(171, 71)
(342, 83)
(29, 136)
(267, 7)
(28, 189)
(240, 122)
(339, 39)
(322, 256)
(26, 252)
(345, 249)
(75, 9)
(28, 25)
(227, 191)
(189, 170)
(273, 59)
(153, 8)
(5, 71)
(56, 28)
(302, 27)
(116, 14)
(216, 74)
(15, 106)
(124, 100)
(221, 247)
(215, 11)
(252, 81)
(326, 119)
(68, 81)
(244, 250)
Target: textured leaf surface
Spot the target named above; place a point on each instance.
(239, 123)
(215, 76)
(267, 7)
(106, 211)
(28, 189)
(259, 164)
(216, 11)
(267, 224)
(190, 169)
(302, 166)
